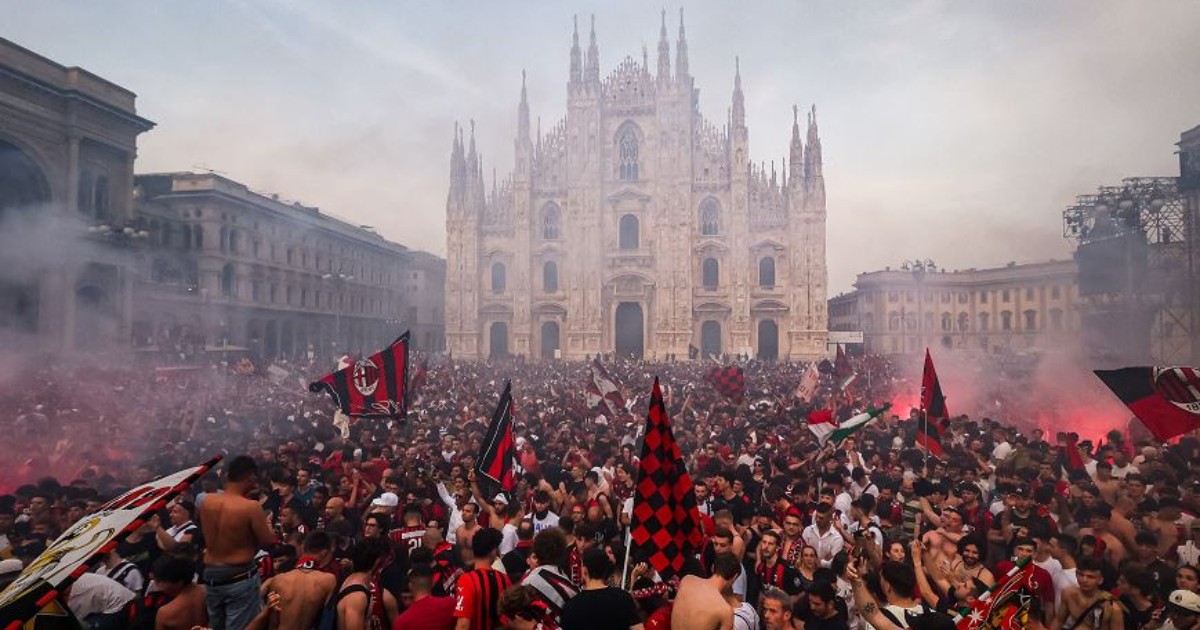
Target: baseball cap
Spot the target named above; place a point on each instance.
(500, 498)
(1184, 601)
(387, 499)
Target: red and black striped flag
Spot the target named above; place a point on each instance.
(374, 386)
(498, 449)
(729, 381)
(1165, 399)
(933, 410)
(665, 526)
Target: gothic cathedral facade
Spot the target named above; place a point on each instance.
(637, 226)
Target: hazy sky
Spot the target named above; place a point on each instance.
(951, 130)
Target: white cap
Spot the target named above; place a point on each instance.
(387, 499)
(12, 565)
(1185, 600)
(500, 498)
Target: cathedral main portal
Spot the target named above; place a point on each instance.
(628, 330)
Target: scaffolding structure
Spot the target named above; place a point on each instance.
(1151, 210)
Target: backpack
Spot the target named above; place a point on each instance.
(329, 616)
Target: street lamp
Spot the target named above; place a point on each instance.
(339, 279)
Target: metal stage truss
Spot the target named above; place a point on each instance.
(1134, 251)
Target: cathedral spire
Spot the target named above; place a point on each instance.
(739, 100)
(523, 113)
(813, 167)
(681, 54)
(576, 67)
(664, 52)
(471, 157)
(797, 148)
(592, 70)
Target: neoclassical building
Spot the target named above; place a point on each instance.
(636, 225)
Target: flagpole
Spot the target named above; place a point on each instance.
(628, 547)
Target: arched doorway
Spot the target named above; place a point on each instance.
(271, 340)
(549, 339)
(630, 337)
(768, 340)
(498, 340)
(23, 189)
(710, 339)
(22, 184)
(94, 319)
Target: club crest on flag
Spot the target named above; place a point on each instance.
(366, 376)
(1180, 386)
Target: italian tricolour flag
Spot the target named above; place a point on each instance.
(826, 428)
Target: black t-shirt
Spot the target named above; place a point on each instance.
(601, 609)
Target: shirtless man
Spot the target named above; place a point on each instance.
(303, 591)
(700, 604)
(173, 577)
(466, 531)
(945, 538)
(1087, 607)
(1100, 521)
(235, 528)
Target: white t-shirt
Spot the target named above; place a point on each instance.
(745, 617)
(94, 594)
(1001, 451)
(508, 538)
(1124, 471)
(539, 524)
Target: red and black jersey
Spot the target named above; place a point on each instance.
(407, 538)
(446, 569)
(477, 597)
(575, 566)
(780, 575)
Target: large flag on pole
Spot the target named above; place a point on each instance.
(934, 413)
(665, 525)
(1003, 606)
(498, 450)
(602, 390)
(822, 423)
(843, 372)
(374, 386)
(1165, 399)
(85, 543)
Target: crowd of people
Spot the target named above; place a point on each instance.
(387, 525)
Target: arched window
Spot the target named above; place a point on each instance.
(983, 322)
(947, 322)
(1030, 320)
(710, 217)
(227, 280)
(224, 235)
(710, 273)
(1006, 320)
(629, 232)
(233, 241)
(893, 321)
(627, 151)
(964, 322)
(187, 236)
(868, 322)
(498, 277)
(551, 222)
(100, 198)
(550, 277)
(766, 272)
(198, 237)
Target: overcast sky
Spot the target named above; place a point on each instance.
(955, 131)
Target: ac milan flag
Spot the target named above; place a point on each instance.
(1165, 399)
(933, 410)
(602, 390)
(728, 381)
(498, 449)
(665, 525)
(374, 386)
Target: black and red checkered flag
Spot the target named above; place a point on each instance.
(372, 386)
(729, 381)
(498, 449)
(665, 526)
